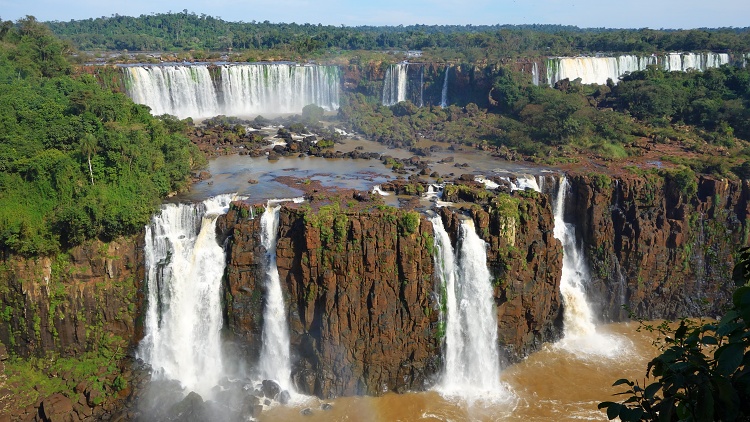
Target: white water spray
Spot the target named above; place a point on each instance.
(234, 89)
(394, 85)
(579, 329)
(599, 69)
(379, 191)
(185, 266)
(274, 360)
(444, 94)
(472, 359)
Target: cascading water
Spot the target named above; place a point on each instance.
(394, 85)
(599, 69)
(421, 86)
(274, 360)
(242, 89)
(444, 94)
(535, 74)
(472, 359)
(595, 69)
(579, 329)
(185, 266)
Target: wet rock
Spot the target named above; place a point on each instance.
(190, 409)
(251, 411)
(271, 389)
(326, 406)
(284, 397)
(306, 412)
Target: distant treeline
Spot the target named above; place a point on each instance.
(189, 31)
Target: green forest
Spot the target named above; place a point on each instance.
(77, 162)
(704, 112)
(188, 31)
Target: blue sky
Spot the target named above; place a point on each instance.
(585, 13)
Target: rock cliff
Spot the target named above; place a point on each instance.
(663, 248)
(69, 322)
(362, 302)
(64, 303)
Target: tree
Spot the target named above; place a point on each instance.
(88, 147)
(703, 372)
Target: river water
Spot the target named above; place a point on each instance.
(555, 383)
(552, 384)
(230, 174)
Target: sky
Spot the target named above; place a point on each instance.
(583, 13)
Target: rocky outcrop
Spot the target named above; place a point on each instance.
(63, 304)
(359, 288)
(526, 262)
(363, 304)
(664, 249)
(82, 306)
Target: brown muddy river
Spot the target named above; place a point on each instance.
(550, 385)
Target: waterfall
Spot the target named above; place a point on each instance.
(579, 330)
(472, 359)
(577, 317)
(182, 91)
(184, 269)
(599, 69)
(274, 361)
(521, 182)
(535, 74)
(239, 90)
(595, 69)
(681, 62)
(394, 85)
(444, 94)
(379, 191)
(421, 87)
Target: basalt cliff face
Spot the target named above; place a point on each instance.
(81, 307)
(658, 247)
(66, 303)
(362, 301)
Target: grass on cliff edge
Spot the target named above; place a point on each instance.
(30, 380)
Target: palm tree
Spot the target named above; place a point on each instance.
(88, 147)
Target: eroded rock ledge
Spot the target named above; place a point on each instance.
(363, 302)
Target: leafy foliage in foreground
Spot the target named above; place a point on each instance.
(76, 161)
(703, 372)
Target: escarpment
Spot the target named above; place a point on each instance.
(363, 304)
(68, 303)
(662, 246)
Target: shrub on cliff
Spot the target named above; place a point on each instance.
(703, 372)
